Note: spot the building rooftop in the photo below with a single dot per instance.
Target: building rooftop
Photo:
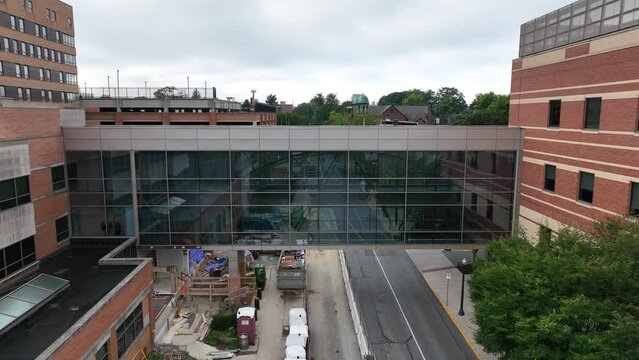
(89, 283)
(581, 20)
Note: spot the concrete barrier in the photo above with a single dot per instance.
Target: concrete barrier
(362, 341)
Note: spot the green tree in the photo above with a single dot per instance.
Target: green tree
(318, 100)
(167, 92)
(448, 102)
(246, 105)
(271, 99)
(575, 296)
(331, 99)
(487, 109)
(196, 94)
(399, 97)
(414, 99)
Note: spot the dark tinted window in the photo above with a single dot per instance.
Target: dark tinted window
(57, 177)
(62, 228)
(586, 186)
(593, 113)
(549, 178)
(555, 113)
(634, 199)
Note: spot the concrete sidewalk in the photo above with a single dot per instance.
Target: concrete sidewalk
(433, 265)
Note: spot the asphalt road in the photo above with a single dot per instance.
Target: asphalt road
(401, 316)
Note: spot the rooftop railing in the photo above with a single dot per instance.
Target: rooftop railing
(169, 92)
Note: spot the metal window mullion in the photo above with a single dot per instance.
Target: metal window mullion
(463, 207)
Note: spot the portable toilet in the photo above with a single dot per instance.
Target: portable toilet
(246, 323)
(295, 352)
(297, 316)
(260, 275)
(296, 340)
(301, 330)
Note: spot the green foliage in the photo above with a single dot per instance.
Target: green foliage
(271, 99)
(168, 92)
(331, 99)
(574, 296)
(356, 118)
(196, 94)
(222, 332)
(223, 320)
(487, 109)
(246, 105)
(318, 100)
(448, 102)
(408, 97)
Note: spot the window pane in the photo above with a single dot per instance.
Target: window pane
(84, 164)
(593, 113)
(586, 186)
(214, 164)
(7, 190)
(634, 199)
(549, 179)
(117, 164)
(554, 116)
(150, 164)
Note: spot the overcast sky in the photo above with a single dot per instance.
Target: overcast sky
(296, 48)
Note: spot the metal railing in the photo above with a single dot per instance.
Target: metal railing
(168, 92)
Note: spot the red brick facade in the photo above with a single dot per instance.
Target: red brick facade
(591, 69)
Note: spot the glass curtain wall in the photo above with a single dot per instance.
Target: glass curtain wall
(282, 198)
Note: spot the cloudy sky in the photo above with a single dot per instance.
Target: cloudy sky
(296, 48)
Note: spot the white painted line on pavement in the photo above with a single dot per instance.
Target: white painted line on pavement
(400, 306)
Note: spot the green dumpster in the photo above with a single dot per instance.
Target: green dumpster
(260, 275)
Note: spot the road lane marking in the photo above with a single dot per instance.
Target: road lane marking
(399, 305)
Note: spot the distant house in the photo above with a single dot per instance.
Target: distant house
(400, 115)
(283, 107)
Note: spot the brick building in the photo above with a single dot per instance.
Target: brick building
(575, 91)
(102, 310)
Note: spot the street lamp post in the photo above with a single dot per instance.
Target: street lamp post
(465, 268)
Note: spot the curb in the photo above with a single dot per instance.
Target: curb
(362, 341)
(452, 318)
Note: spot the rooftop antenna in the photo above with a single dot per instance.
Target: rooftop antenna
(253, 94)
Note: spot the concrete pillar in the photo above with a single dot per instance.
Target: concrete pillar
(237, 270)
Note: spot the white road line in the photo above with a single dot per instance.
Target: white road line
(400, 306)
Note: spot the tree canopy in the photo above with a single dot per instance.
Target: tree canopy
(571, 296)
(271, 99)
(408, 97)
(168, 92)
(448, 102)
(320, 110)
(487, 109)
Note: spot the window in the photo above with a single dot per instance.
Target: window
(39, 52)
(68, 40)
(586, 186)
(69, 22)
(14, 192)
(61, 77)
(57, 177)
(593, 113)
(103, 352)
(549, 178)
(53, 15)
(25, 72)
(43, 95)
(2, 92)
(37, 30)
(634, 199)
(41, 73)
(27, 94)
(43, 30)
(489, 210)
(13, 22)
(21, 24)
(17, 256)
(31, 50)
(129, 330)
(49, 96)
(15, 46)
(57, 36)
(30, 6)
(48, 72)
(23, 48)
(46, 53)
(59, 57)
(5, 44)
(23, 4)
(473, 202)
(18, 71)
(48, 14)
(62, 228)
(71, 78)
(555, 113)
(1, 68)
(20, 96)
